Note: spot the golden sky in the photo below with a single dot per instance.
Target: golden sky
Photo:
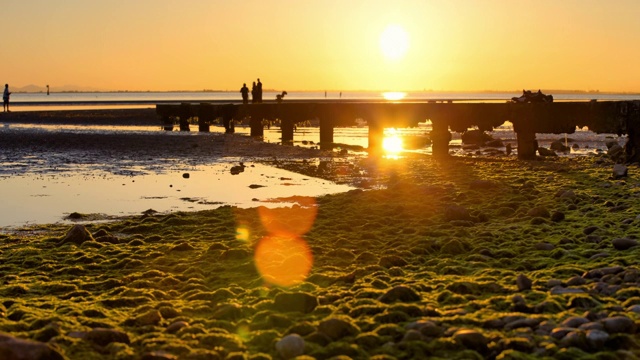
(457, 45)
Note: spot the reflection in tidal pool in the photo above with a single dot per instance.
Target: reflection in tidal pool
(50, 198)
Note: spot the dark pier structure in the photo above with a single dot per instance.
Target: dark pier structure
(613, 117)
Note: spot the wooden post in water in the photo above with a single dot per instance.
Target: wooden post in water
(440, 137)
(286, 126)
(376, 137)
(185, 114)
(205, 117)
(326, 134)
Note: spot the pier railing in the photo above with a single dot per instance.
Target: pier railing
(615, 117)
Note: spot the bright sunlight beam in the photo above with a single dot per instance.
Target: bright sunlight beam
(392, 143)
(394, 42)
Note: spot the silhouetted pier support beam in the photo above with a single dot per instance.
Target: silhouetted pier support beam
(167, 123)
(440, 137)
(205, 117)
(376, 137)
(287, 126)
(257, 129)
(527, 145)
(185, 115)
(326, 134)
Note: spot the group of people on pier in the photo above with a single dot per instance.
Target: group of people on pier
(256, 93)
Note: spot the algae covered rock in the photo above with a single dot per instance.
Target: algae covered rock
(399, 293)
(290, 346)
(295, 302)
(336, 329)
(76, 235)
(14, 348)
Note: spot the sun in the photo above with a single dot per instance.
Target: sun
(394, 42)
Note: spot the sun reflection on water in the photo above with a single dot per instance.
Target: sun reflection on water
(394, 95)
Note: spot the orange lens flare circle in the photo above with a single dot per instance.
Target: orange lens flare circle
(296, 220)
(283, 260)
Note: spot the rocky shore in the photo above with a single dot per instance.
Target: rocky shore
(463, 258)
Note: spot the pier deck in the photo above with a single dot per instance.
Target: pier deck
(615, 117)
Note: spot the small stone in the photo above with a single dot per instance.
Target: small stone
(76, 235)
(471, 339)
(539, 211)
(290, 346)
(523, 282)
(544, 246)
(619, 324)
(557, 216)
(103, 337)
(412, 335)
(336, 329)
(186, 175)
(399, 293)
(574, 322)
(576, 281)
(596, 338)
(295, 302)
(559, 290)
(624, 243)
(560, 332)
(619, 171)
(176, 326)
(19, 349)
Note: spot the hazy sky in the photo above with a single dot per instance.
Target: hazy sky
(322, 44)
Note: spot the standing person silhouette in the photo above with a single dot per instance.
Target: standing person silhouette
(244, 90)
(259, 90)
(254, 93)
(5, 98)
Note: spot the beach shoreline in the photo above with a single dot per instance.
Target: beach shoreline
(461, 257)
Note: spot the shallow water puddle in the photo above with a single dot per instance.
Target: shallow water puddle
(50, 198)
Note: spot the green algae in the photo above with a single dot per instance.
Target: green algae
(151, 271)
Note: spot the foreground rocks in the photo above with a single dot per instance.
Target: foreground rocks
(463, 259)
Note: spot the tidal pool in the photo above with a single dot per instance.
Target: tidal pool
(51, 198)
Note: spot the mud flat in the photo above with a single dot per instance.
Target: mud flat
(462, 258)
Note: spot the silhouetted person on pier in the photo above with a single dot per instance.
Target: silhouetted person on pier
(244, 90)
(254, 93)
(5, 98)
(259, 90)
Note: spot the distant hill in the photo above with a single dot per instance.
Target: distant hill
(64, 88)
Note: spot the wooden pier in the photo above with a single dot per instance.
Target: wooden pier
(614, 117)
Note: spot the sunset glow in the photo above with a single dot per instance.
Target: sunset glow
(394, 42)
(404, 45)
(392, 142)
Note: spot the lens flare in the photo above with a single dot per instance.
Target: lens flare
(296, 220)
(392, 143)
(283, 260)
(242, 234)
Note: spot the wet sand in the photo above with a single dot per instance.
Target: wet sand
(485, 257)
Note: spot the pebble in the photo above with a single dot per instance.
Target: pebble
(295, 302)
(619, 324)
(624, 243)
(523, 282)
(290, 346)
(14, 348)
(336, 328)
(399, 293)
(176, 326)
(104, 337)
(471, 339)
(574, 322)
(596, 338)
(559, 290)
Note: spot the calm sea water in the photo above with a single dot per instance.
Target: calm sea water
(22, 101)
(44, 198)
